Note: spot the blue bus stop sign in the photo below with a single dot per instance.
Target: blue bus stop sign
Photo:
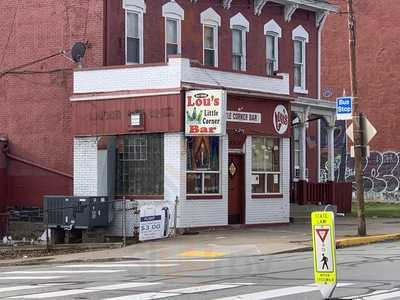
(344, 108)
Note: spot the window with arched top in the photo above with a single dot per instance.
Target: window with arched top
(211, 21)
(272, 32)
(239, 26)
(300, 38)
(174, 15)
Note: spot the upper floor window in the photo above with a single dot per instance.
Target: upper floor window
(300, 38)
(171, 37)
(211, 21)
(239, 26)
(174, 15)
(272, 33)
(134, 10)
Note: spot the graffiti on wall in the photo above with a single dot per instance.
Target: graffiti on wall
(381, 169)
(381, 172)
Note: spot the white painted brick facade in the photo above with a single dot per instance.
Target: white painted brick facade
(209, 212)
(178, 71)
(85, 166)
(191, 212)
(271, 210)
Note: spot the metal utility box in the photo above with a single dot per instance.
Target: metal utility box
(77, 212)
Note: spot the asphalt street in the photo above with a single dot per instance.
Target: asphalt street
(370, 272)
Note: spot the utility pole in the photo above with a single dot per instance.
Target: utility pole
(357, 128)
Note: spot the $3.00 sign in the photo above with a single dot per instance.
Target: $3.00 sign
(323, 234)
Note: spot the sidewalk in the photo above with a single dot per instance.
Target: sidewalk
(230, 242)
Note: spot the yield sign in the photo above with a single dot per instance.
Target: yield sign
(322, 233)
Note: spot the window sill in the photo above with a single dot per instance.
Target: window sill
(300, 90)
(266, 196)
(140, 197)
(204, 197)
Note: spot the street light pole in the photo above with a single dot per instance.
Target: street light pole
(357, 128)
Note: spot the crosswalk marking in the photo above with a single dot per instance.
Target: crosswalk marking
(381, 296)
(26, 287)
(357, 297)
(29, 277)
(118, 265)
(181, 291)
(62, 272)
(87, 290)
(269, 294)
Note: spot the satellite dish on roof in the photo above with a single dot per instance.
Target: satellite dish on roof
(78, 51)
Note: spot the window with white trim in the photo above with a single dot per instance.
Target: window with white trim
(174, 15)
(203, 165)
(299, 65)
(171, 37)
(209, 47)
(211, 21)
(134, 38)
(266, 172)
(272, 32)
(300, 39)
(271, 59)
(239, 26)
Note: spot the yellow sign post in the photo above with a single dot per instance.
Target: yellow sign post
(324, 250)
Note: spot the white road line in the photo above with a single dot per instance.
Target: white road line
(393, 295)
(358, 297)
(181, 291)
(118, 266)
(269, 294)
(29, 277)
(26, 287)
(63, 272)
(169, 260)
(87, 290)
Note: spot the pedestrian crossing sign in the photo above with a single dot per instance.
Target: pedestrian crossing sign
(323, 236)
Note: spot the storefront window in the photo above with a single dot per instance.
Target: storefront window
(203, 165)
(265, 166)
(140, 165)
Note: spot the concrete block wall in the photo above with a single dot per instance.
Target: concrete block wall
(269, 210)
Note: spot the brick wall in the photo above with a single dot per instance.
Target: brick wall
(378, 71)
(34, 108)
(192, 40)
(378, 66)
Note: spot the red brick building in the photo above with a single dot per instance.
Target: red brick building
(378, 71)
(257, 51)
(35, 112)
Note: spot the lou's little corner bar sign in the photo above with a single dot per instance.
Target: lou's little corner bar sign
(205, 112)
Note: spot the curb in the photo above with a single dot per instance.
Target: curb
(365, 240)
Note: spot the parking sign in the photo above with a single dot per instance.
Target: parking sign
(344, 108)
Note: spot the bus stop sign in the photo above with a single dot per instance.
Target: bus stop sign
(324, 251)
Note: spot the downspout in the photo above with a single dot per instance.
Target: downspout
(320, 27)
(30, 163)
(4, 202)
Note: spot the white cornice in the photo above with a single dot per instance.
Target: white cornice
(258, 6)
(290, 8)
(227, 3)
